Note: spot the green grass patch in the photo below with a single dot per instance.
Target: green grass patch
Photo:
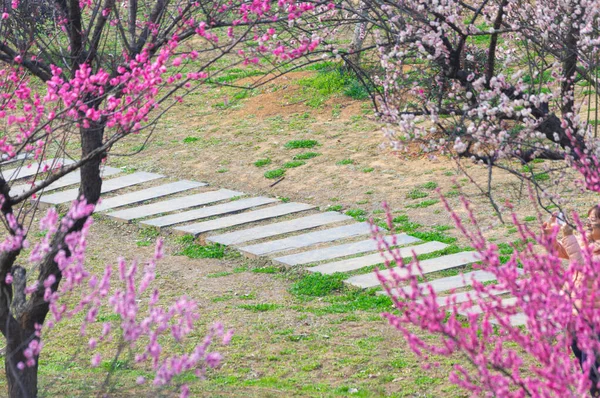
(189, 140)
(324, 65)
(331, 81)
(234, 74)
(295, 144)
(430, 185)
(147, 236)
(355, 300)
(368, 169)
(294, 163)
(530, 218)
(335, 208)
(442, 228)
(194, 250)
(541, 177)
(262, 162)
(266, 270)
(344, 162)
(403, 223)
(505, 249)
(425, 203)
(399, 363)
(433, 236)
(356, 213)
(274, 173)
(201, 141)
(306, 155)
(356, 90)
(219, 274)
(325, 82)
(318, 285)
(262, 307)
(115, 365)
(416, 194)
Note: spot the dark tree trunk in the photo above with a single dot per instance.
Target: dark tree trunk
(21, 383)
(91, 183)
(569, 69)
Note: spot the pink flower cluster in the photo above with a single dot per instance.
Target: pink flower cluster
(503, 359)
(143, 319)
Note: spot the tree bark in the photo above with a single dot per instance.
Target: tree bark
(91, 183)
(360, 30)
(21, 383)
(19, 332)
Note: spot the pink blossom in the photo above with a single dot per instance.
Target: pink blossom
(96, 360)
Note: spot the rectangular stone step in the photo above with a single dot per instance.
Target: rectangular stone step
(209, 211)
(427, 266)
(175, 204)
(348, 249)
(147, 194)
(284, 227)
(29, 170)
(308, 239)
(456, 281)
(244, 218)
(463, 297)
(515, 320)
(22, 156)
(476, 309)
(518, 319)
(107, 186)
(65, 181)
(352, 264)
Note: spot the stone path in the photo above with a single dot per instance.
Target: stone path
(291, 234)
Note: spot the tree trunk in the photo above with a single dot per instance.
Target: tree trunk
(360, 31)
(21, 383)
(91, 183)
(569, 69)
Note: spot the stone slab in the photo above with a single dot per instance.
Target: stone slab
(308, 239)
(65, 181)
(456, 281)
(147, 194)
(352, 264)
(166, 206)
(284, 227)
(462, 297)
(22, 156)
(107, 186)
(25, 171)
(244, 218)
(515, 320)
(476, 309)
(348, 249)
(210, 211)
(427, 267)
